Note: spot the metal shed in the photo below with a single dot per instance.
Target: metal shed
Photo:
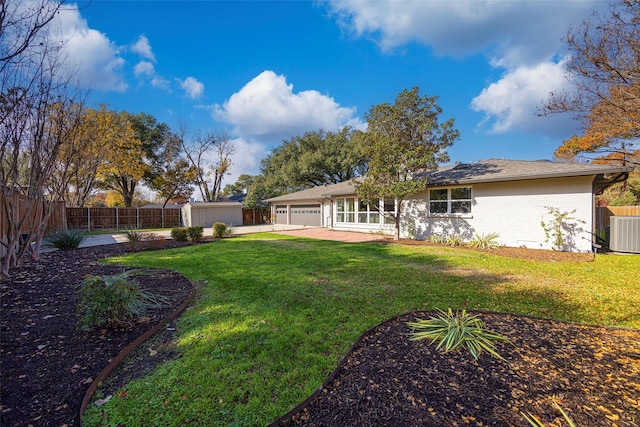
(205, 214)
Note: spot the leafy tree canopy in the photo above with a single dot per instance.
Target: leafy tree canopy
(402, 141)
(605, 71)
(315, 158)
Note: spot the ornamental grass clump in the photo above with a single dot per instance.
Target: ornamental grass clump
(484, 241)
(65, 240)
(114, 299)
(455, 330)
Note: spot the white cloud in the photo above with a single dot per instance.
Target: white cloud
(92, 57)
(524, 32)
(144, 68)
(246, 159)
(268, 110)
(511, 103)
(161, 82)
(143, 48)
(192, 87)
(521, 38)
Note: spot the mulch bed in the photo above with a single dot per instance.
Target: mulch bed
(48, 363)
(389, 380)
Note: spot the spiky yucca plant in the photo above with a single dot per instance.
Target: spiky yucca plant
(455, 330)
(488, 241)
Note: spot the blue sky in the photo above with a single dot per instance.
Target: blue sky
(265, 71)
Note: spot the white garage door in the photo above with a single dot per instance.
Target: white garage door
(310, 215)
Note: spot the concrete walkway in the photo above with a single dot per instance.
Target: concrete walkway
(293, 230)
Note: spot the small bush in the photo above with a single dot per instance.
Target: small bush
(66, 239)
(220, 230)
(456, 330)
(114, 300)
(488, 241)
(179, 234)
(195, 233)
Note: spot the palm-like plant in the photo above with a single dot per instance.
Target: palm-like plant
(455, 330)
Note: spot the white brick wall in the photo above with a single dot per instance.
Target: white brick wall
(514, 210)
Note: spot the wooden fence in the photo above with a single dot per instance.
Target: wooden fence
(255, 217)
(22, 204)
(120, 218)
(604, 214)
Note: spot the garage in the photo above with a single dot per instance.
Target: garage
(303, 214)
(309, 215)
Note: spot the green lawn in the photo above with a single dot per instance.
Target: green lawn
(277, 313)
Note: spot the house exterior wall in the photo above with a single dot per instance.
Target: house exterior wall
(512, 209)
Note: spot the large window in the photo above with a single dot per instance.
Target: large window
(367, 214)
(450, 201)
(345, 209)
(352, 210)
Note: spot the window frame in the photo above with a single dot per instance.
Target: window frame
(450, 202)
(374, 217)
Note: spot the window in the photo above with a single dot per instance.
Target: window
(367, 214)
(455, 201)
(345, 210)
(352, 210)
(389, 208)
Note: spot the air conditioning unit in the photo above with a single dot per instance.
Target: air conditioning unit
(625, 234)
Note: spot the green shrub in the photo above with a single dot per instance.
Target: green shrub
(179, 234)
(456, 330)
(114, 300)
(195, 233)
(483, 241)
(66, 239)
(220, 230)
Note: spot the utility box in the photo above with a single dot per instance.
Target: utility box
(625, 234)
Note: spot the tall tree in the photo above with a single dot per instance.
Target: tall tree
(210, 155)
(175, 181)
(605, 71)
(315, 158)
(402, 141)
(39, 114)
(124, 166)
(139, 156)
(241, 186)
(97, 134)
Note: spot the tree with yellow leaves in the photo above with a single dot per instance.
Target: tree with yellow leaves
(124, 164)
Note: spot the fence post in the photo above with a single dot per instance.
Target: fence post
(162, 217)
(88, 219)
(138, 217)
(117, 219)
